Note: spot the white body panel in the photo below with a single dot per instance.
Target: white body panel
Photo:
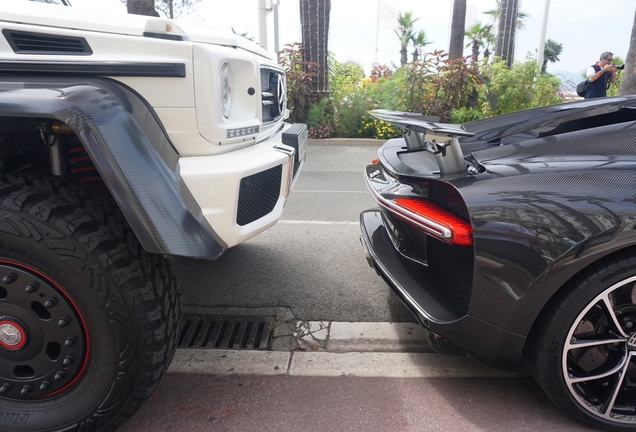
(215, 180)
(189, 108)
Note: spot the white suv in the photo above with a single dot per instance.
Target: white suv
(122, 139)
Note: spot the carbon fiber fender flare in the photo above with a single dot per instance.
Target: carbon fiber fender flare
(130, 149)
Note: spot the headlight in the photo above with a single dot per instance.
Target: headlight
(226, 102)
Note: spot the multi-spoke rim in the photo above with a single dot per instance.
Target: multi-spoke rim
(599, 355)
(43, 344)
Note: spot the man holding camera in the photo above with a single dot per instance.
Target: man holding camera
(600, 75)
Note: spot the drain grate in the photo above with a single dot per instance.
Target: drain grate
(223, 332)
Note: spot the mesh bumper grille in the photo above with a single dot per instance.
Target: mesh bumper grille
(258, 195)
(452, 267)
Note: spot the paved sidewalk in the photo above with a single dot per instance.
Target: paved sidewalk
(344, 377)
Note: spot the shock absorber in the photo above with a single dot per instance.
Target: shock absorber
(81, 165)
(83, 168)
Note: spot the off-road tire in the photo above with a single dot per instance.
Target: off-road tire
(77, 247)
(577, 334)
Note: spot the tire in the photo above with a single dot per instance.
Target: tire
(582, 351)
(88, 320)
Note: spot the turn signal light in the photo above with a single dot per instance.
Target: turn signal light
(434, 219)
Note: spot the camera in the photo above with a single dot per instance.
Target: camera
(620, 67)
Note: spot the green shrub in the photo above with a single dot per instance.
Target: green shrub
(300, 77)
(320, 119)
(519, 87)
(464, 115)
(455, 90)
(350, 113)
(344, 78)
(382, 129)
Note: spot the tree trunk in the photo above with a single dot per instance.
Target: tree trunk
(505, 47)
(456, 46)
(314, 20)
(142, 7)
(475, 51)
(628, 80)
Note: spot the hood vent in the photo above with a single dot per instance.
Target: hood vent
(46, 44)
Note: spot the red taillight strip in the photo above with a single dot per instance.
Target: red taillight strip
(461, 231)
(428, 225)
(435, 229)
(428, 216)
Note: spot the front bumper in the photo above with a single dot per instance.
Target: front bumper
(242, 193)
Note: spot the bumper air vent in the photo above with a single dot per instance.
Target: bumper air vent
(41, 43)
(273, 94)
(452, 267)
(258, 195)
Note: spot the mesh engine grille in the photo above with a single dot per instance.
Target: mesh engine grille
(422, 160)
(258, 195)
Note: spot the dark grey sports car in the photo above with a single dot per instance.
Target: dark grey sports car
(514, 239)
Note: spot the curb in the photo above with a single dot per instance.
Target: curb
(335, 349)
(343, 337)
(329, 364)
(346, 142)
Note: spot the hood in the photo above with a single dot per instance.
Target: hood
(49, 15)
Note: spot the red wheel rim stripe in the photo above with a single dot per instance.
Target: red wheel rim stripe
(77, 311)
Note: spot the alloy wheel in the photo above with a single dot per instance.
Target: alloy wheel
(599, 355)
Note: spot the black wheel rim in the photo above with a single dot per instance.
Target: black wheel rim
(43, 345)
(599, 355)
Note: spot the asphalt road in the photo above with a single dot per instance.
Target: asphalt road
(313, 263)
(312, 260)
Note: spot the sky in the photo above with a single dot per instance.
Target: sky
(585, 28)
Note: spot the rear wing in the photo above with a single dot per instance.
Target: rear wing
(424, 133)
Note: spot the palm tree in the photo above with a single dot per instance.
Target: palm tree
(175, 8)
(496, 13)
(419, 42)
(628, 80)
(141, 7)
(314, 22)
(551, 52)
(405, 33)
(172, 8)
(246, 35)
(508, 23)
(458, 23)
(478, 35)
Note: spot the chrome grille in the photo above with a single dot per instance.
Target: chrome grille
(273, 94)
